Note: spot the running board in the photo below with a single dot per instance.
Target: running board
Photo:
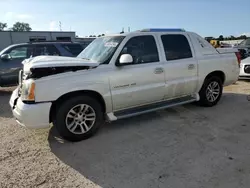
(151, 108)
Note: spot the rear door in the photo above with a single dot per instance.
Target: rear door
(10, 68)
(180, 65)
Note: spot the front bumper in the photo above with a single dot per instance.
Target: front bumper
(244, 73)
(35, 116)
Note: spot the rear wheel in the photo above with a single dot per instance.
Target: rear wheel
(211, 91)
(79, 118)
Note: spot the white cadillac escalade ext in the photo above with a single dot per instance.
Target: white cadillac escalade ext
(120, 76)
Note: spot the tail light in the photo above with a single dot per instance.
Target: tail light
(238, 57)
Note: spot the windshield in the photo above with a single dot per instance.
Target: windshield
(101, 49)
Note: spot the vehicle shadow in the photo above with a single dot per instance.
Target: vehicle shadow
(170, 148)
(5, 110)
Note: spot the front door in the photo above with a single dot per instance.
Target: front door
(9, 69)
(141, 82)
(180, 66)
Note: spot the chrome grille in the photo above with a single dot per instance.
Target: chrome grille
(20, 78)
(20, 81)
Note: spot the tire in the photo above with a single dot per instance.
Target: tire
(71, 127)
(206, 99)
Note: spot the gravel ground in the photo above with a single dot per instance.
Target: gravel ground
(186, 146)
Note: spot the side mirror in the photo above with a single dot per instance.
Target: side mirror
(5, 57)
(126, 59)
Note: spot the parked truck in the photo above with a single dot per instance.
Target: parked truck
(120, 76)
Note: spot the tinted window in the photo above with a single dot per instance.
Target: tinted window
(19, 52)
(46, 50)
(63, 38)
(176, 47)
(74, 49)
(142, 48)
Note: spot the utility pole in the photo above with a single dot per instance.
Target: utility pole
(122, 30)
(128, 29)
(60, 25)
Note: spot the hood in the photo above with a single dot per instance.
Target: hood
(56, 61)
(42, 66)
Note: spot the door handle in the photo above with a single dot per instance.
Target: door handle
(158, 70)
(190, 66)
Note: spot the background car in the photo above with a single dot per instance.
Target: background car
(11, 57)
(245, 69)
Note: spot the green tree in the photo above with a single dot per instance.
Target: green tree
(221, 38)
(232, 37)
(243, 37)
(21, 26)
(3, 26)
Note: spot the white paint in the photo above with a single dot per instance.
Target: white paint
(132, 85)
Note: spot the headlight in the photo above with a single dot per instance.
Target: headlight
(28, 90)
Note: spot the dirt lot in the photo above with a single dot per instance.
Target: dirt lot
(186, 146)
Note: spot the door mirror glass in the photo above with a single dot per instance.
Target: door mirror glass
(126, 59)
(5, 57)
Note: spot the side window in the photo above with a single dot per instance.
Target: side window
(46, 50)
(176, 47)
(142, 48)
(19, 52)
(74, 49)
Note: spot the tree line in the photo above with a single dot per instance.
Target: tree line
(18, 26)
(97, 35)
(21, 26)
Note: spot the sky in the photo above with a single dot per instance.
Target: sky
(93, 17)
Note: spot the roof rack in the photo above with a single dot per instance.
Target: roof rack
(163, 30)
(69, 41)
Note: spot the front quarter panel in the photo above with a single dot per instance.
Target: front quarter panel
(52, 87)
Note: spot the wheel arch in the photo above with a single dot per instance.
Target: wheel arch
(94, 94)
(217, 73)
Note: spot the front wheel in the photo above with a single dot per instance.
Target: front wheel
(211, 91)
(79, 118)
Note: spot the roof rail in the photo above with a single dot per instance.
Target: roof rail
(163, 30)
(30, 42)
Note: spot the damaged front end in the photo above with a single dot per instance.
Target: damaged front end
(39, 72)
(42, 66)
(36, 73)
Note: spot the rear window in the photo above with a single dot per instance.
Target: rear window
(176, 47)
(75, 49)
